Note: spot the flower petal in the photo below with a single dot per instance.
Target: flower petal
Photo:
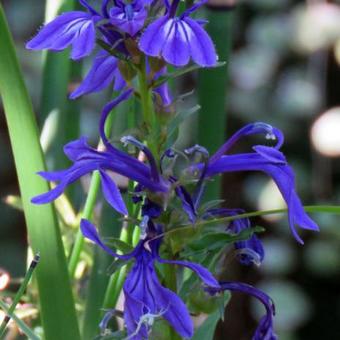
(282, 175)
(84, 42)
(75, 28)
(202, 49)
(202, 272)
(176, 50)
(89, 231)
(101, 74)
(79, 149)
(112, 193)
(250, 129)
(265, 329)
(154, 37)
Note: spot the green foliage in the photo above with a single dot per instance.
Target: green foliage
(180, 72)
(217, 240)
(56, 301)
(207, 329)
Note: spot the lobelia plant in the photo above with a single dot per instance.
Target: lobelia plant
(172, 228)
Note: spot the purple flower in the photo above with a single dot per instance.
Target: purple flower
(268, 160)
(145, 297)
(264, 329)
(177, 39)
(128, 17)
(86, 159)
(248, 251)
(103, 72)
(72, 28)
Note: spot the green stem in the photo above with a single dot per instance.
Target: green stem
(310, 208)
(146, 99)
(148, 110)
(130, 235)
(87, 214)
(21, 324)
(330, 209)
(88, 209)
(19, 294)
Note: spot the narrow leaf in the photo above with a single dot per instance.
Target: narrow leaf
(55, 295)
(180, 72)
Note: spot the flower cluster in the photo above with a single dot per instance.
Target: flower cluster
(143, 37)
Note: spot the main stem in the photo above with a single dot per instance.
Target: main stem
(148, 110)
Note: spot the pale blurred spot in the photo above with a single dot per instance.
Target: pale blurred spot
(297, 94)
(293, 306)
(49, 130)
(317, 26)
(281, 258)
(2, 316)
(325, 133)
(270, 198)
(322, 257)
(251, 73)
(337, 51)
(4, 279)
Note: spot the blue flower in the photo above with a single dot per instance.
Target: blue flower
(86, 160)
(145, 297)
(177, 39)
(103, 72)
(264, 159)
(128, 17)
(264, 329)
(72, 28)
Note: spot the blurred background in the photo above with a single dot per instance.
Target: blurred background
(283, 69)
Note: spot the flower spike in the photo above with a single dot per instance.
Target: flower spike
(144, 295)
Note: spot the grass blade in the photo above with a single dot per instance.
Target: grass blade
(212, 86)
(56, 301)
(19, 294)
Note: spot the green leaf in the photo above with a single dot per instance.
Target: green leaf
(213, 241)
(113, 51)
(119, 244)
(181, 236)
(213, 92)
(180, 118)
(209, 205)
(180, 72)
(55, 295)
(207, 330)
(201, 302)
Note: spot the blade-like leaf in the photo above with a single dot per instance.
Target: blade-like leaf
(214, 241)
(56, 301)
(119, 244)
(180, 117)
(212, 92)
